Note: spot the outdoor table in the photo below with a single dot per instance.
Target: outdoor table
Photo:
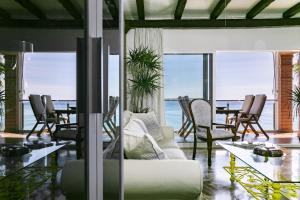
(235, 112)
(68, 112)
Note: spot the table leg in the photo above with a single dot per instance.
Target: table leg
(232, 167)
(276, 191)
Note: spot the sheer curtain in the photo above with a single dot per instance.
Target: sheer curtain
(153, 38)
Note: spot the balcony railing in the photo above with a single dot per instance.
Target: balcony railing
(174, 116)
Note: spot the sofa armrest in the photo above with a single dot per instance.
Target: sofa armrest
(162, 179)
(143, 179)
(168, 132)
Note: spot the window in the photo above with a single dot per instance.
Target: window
(242, 73)
(49, 73)
(183, 76)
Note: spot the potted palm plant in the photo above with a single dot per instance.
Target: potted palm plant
(145, 71)
(296, 102)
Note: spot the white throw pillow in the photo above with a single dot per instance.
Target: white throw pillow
(138, 143)
(151, 122)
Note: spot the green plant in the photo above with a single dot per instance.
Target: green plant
(145, 70)
(296, 99)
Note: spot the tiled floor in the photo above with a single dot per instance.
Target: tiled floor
(216, 181)
(289, 140)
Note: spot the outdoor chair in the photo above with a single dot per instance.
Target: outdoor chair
(187, 124)
(69, 132)
(50, 110)
(253, 116)
(109, 124)
(203, 126)
(244, 110)
(39, 112)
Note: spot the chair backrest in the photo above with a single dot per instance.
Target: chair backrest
(47, 102)
(37, 107)
(184, 103)
(201, 112)
(258, 105)
(113, 104)
(247, 104)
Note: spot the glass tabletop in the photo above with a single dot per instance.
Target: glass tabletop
(9, 165)
(285, 169)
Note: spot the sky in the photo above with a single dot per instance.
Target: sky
(237, 74)
(242, 73)
(50, 73)
(183, 75)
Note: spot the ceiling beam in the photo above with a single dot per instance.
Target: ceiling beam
(52, 24)
(218, 9)
(113, 9)
(207, 23)
(260, 6)
(4, 14)
(192, 23)
(72, 9)
(140, 9)
(32, 8)
(291, 11)
(179, 9)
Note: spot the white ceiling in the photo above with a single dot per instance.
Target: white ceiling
(201, 9)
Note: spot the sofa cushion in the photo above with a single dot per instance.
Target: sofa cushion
(139, 144)
(174, 153)
(151, 123)
(167, 143)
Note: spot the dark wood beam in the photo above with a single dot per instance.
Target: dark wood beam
(193, 23)
(43, 24)
(32, 8)
(52, 24)
(218, 9)
(4, 14)
(219, 23)
(113, 9)
(179, 9)
(291, 11)
(260, 6)
(72, 9)
(140, 9)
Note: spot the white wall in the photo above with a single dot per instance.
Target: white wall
(212, 40)
(42, 39)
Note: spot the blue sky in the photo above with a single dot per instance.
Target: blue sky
(237, 74)
(50, 73)
(242, 73)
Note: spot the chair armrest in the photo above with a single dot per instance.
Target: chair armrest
(70, 125)
(224, 125)
(168, 132)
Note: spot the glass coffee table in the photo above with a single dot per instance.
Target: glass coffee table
(265, 177)
(21, 175)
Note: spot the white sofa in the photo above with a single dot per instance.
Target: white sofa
(174, 179)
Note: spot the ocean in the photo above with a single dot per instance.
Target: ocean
(173, 113)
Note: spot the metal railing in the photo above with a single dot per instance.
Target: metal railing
(174, 115)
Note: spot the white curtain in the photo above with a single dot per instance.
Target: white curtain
(153, 38)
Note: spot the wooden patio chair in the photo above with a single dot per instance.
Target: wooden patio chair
(39, 112)
(50, 110)
(69, 132)
(186, 127)
(108, 123)
(252, 118)
(246, 106)
(203, 126)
